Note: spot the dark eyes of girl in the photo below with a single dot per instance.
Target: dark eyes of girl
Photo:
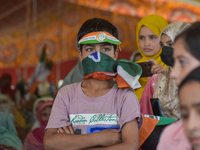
(153, 37)
(184, 116)
(182, 62)
(44, 114)
(161, 44)
(170, 44)
(141, 37)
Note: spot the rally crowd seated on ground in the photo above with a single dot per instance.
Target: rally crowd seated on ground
(173, 49)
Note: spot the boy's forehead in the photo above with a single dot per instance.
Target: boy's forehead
(98, 44)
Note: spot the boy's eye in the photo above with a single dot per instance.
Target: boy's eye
(105, 49)
(89, 49)
(141, 37)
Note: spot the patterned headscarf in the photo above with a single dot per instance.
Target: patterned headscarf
(174, 29)
(166, 89)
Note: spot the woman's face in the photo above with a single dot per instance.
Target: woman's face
(37, 108)
(165, 40)
(184, 62)
(46, 113)
(190, 112)
(148, 41)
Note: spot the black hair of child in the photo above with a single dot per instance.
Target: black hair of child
(191, 37)
(94, 25)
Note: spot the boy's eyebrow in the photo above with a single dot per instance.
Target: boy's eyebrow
(92, 45)
(106, 44)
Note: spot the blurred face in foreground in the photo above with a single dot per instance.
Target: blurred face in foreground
(189, 97)
(184, 63)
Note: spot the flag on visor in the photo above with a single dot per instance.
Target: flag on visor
(99, 37)
(103, 67)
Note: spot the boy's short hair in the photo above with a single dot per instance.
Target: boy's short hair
(94, 25)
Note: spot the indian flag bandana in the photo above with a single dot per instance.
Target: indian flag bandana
(99, 37)
(149, 123)
(103, 67)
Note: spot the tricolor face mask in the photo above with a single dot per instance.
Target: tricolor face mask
(103, 67)
(167, 55)
(99, 66)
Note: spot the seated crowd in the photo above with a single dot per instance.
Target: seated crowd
(121, 108)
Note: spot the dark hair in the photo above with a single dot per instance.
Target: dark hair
(97, 24)
(192, 76)
(191, 37)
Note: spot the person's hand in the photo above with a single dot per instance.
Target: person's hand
(156, 68)
(109, 137)
(66, 129)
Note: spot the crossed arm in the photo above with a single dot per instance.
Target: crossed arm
(109, 139)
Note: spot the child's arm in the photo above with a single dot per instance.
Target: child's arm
(54, 140)
(130, 138)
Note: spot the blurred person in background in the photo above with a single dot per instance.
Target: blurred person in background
(5, 88)
(8, 134)
(36, 105)
(74, 76)
(7, 105)
(187, 58)
(34, 139)
(136, 56)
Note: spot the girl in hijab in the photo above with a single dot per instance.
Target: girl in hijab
(34, 139)
(8, 133)
(161, 86)
(147, 33)
(36, 105)
(135, 56)
(186, 58)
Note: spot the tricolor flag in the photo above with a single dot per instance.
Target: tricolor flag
(42, 71)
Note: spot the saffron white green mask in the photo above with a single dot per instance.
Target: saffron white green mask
(103, 67)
